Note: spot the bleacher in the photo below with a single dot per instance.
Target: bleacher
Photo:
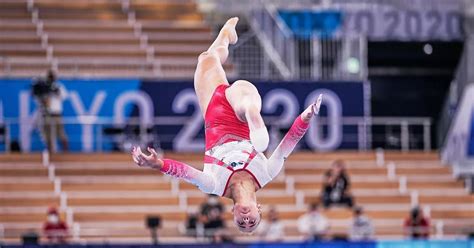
(101, 38)
(105, 198)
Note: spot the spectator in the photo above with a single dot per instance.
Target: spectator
(361, 228)
(272, 229)
(313, 225)
(416, 225)
(55, 230)
(50, 95)
(192, 225)
(336, 186)
(212, 218)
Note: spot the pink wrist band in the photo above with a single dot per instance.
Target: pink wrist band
(174, 168)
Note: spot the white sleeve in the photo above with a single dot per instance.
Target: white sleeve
(286, 146)
(189, 174)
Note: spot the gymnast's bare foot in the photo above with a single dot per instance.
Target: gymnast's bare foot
(229, 30)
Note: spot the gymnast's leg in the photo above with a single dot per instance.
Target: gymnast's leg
(209, 71)
(244, 98)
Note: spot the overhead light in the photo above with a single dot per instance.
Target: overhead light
(353, 65)
(428, 49)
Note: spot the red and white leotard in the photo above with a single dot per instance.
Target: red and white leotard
(229, 150)
(220, 122)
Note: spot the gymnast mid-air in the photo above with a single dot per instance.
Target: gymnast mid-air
(236, 136)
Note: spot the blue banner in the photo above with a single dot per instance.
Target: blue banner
(282, 102)
(327, 244)
(470, 146)
(171, 111)
(305, 23)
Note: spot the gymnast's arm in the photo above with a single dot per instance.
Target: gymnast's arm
(286, 146)
(174, 168)
(294, 135)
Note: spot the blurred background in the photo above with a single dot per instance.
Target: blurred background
(388, 163)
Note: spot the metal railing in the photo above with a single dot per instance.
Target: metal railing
(464, 76)
(251, 61)
(362, 133)
(275, 38)
(318, 57)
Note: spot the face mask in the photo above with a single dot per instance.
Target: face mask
(213, 200)
(52, 218)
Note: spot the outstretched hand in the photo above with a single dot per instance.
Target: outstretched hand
(312, 110)
(317, 104)
(152, 161)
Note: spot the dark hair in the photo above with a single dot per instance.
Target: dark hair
(415, 212)
(358, 210)
(314, 206)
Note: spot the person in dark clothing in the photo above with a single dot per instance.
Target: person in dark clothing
(212, 213)
(212, 218)
(336, 186)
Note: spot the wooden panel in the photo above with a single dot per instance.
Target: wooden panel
(354, 185)
(429, 185)
(423, 171)
(25, 217)
(102, 54)
(106, 172)
(181, 215)
(26, 187)
(29, 202)
(115, 186)
(41, 171)
(320, 171)
(468, 213)
(369, 199)
(85, 41)
(122, 201)
(446, 199)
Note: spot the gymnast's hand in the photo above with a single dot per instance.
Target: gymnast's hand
(152, 161)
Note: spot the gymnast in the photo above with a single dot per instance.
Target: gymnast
(236, 136)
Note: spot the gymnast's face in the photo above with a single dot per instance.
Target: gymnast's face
(247, 216)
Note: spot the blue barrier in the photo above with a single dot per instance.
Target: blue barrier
(305, 23)
(470, 146)
(176, 104)
(369, 244)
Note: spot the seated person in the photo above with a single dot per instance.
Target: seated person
(313, 225)
(361, 228)
(336, 186)
(272, 229)
(416, 225)
(212, 217)
(55, 230)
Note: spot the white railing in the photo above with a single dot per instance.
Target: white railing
(455, 150)
(363, 133)
(275, 38)
(342, 57)
(251, 61)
